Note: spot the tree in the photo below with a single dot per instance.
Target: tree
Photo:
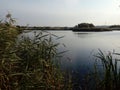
(85, 25)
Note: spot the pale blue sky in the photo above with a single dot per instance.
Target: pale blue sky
(62, 12)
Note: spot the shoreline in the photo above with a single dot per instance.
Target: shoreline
(77, 30)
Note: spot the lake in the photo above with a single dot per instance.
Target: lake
(82, 48)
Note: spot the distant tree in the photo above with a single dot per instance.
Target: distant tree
(91, 25)
(85, 25)
(114, 26)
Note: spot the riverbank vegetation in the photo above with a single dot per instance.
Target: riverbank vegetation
(89, 27)
(82, 27)
(34, 64)
(106, 74)
(28, 64)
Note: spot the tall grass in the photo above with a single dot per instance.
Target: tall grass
(37, 62)
(28, 64)
(106, 75)
(8, 34)
(112, 72)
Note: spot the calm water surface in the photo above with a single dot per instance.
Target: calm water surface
(83, 46)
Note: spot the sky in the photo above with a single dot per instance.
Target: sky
(62, 12)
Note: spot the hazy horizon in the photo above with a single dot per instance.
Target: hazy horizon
(62, 12)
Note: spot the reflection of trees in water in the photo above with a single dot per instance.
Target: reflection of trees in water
(82, 34)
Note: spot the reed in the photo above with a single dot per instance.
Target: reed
(108, 78)
(28, 64)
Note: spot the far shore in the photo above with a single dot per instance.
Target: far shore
(95, 29)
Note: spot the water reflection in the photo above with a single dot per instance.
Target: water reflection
(82, 34)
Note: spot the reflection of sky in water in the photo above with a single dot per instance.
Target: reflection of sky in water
(83, 45)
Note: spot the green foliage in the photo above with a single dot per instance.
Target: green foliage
(8, 34)
(28, 64)
(37, 62)
(111, 72)
(85, 25)
(108, 78)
